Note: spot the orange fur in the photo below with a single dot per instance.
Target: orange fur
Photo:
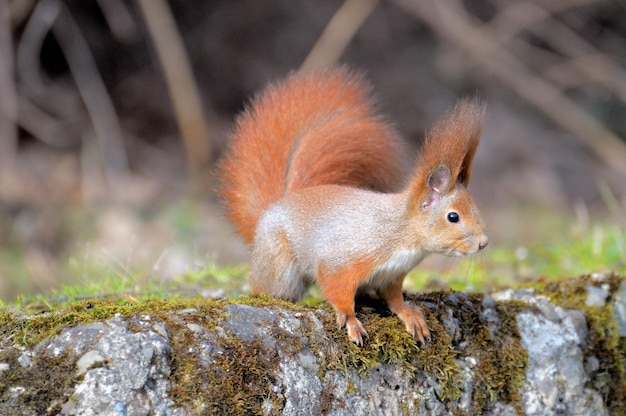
(312, 129)
(339, 289)
(297, 177)
(413, 318)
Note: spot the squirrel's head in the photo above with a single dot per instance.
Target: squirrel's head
(449, 218)
(449, 221)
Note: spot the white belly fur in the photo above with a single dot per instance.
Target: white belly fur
(398, 264)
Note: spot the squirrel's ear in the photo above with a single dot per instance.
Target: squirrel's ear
(437, 183)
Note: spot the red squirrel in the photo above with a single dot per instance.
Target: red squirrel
(315, 180)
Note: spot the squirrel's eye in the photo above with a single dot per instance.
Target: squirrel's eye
(453, 217)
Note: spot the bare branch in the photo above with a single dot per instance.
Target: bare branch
(181, 86)
(449, 19)
(93, 92)
(338, 33)
(118, 18)
(49, 112)
(585, 58)
(8, 98)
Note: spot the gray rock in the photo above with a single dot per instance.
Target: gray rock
(284, 361)
(25, 360)
(576, 321)
(548, 309)
(596, 296)
(247, 322)
(89, 360)
(120, 371)
(555, 377)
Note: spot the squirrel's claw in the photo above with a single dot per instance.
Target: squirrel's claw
(356, 330)
(415, 323)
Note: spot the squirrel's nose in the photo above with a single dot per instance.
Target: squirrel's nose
(482, 242)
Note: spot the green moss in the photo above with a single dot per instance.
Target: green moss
(239, 379)
(35, 328)
(500, 372)
(497, 349)
(264, 301)
(39, 387)
(501, 359)
(8, 328)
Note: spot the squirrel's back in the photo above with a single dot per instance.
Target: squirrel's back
(310, 129)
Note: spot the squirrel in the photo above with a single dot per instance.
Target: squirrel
(316, 181)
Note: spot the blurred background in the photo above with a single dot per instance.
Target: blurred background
(113, 114)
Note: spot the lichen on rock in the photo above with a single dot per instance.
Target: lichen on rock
(544, 350)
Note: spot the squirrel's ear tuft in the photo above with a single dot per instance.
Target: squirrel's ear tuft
(470, 113)
(448, 150)
(453, 140)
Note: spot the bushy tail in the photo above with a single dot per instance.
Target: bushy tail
(310, 129)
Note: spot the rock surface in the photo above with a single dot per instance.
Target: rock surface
(514, 352)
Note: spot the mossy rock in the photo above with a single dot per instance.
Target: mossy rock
(254, 355)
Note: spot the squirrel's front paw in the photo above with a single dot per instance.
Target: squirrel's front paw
(356, 330)
(415, 322)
